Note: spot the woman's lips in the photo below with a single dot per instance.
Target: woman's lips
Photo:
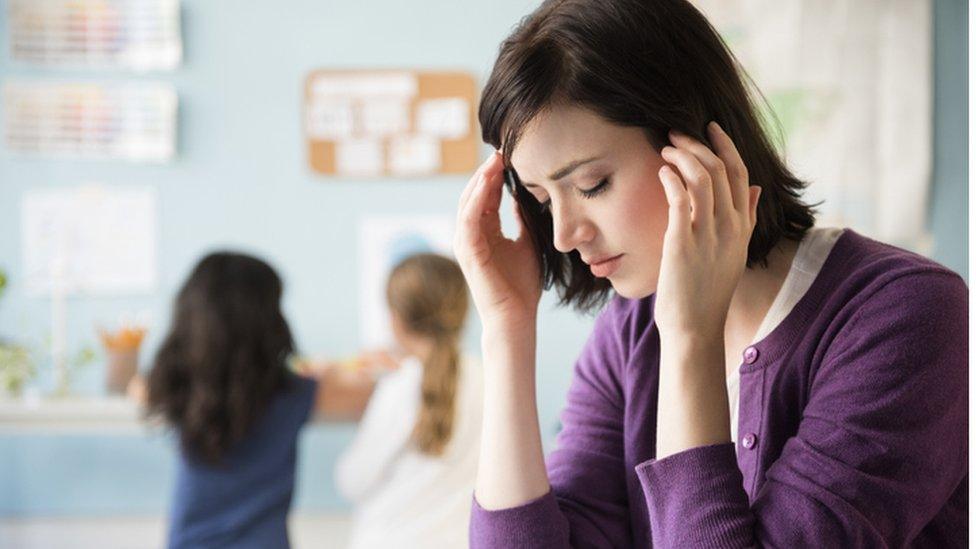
(607, 267)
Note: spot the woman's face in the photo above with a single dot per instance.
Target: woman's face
(600, 182)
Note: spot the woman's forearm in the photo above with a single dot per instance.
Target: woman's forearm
(511, 468)
(693, 403)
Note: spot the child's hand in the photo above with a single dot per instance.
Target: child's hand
(710, 222)
(309, 367)
(503, 274)
(137, 391)
(379, 360)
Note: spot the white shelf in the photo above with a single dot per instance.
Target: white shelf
(71, 414)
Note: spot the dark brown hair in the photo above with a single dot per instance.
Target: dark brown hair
(225, 355)
(652, 64)
(428, 294)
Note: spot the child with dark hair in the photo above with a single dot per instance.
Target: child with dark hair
(221, 380)
(754, 380)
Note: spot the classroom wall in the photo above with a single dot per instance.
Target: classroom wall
(241, 180)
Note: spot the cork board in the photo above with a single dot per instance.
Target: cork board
(400, 123)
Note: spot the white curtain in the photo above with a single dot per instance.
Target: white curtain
(851, 84)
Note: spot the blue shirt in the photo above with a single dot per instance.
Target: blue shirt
(244, 501)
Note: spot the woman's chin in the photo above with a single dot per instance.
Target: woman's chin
(633, 289)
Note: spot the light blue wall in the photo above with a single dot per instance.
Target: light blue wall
(241, 180)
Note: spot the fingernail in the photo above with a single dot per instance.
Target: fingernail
(714, 126)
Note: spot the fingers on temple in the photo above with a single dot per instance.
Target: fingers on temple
(679, 202)
(485, 194)
(735, 168)
(477, 181)
(698, 182)
(714, 165)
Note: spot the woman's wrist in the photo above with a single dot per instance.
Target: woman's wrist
(507, 331)
(692, 374)
(508, 321)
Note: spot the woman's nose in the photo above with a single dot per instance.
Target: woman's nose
(569, 228)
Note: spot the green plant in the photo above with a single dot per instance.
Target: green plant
(16, 368)
(73, 365)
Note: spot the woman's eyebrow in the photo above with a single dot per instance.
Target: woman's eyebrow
(564, 171)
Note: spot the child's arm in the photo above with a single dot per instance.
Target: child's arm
(346, 387)
(342, 395)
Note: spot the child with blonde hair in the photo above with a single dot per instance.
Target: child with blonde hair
(410, 469)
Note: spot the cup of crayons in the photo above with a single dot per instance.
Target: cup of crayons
(122, 355)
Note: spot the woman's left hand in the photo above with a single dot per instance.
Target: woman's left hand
(711, 216)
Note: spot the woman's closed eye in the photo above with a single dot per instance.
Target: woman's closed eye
(595, 190)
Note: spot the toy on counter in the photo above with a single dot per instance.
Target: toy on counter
(122, 356)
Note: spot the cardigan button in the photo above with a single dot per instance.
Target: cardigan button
(750, 355)
(749, 441)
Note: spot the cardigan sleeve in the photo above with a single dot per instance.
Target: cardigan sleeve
(881, 446)
(587, 503)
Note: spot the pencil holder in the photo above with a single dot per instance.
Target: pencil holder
(121, 357)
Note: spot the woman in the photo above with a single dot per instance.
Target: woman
(410, 470)
(639, 166)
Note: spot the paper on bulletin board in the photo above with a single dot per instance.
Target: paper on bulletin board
(446, 118)
(414, 155)
(384, 242)
(330, 119)
(360, 157)
(89, 239)
(423, 120)
(385, 116)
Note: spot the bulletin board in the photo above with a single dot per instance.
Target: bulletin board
(382, 123)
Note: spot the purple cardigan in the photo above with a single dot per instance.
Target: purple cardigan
(853, 427)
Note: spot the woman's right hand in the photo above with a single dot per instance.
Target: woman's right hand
(503, 274)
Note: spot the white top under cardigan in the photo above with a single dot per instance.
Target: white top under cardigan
(810, 257)
(401, 497)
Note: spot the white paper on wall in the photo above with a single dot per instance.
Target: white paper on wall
(360, 157)
(385, 116)
(135, 122)
(330, 119)
(851, 84)
(414, 154)
(383, 242)
(89, 239)
(446, 118)
(122, 34)
(391, 84)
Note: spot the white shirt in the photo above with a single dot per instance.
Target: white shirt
(810, 257)
(404, 498)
